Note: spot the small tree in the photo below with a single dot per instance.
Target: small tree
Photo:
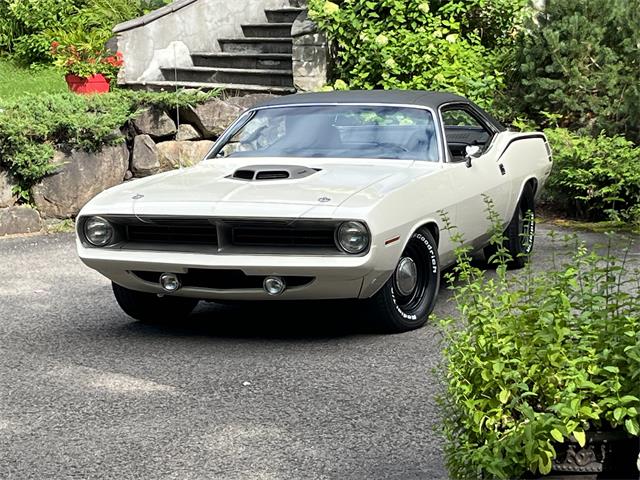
(582, 62)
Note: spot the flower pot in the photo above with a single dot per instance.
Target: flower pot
(610, 454)
(95, 84)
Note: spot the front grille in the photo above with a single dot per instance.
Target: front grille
(225, 236)
(178, 233)
(222, 279)
(255, 236)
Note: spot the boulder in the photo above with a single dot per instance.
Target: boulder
(80, 177)
(212, 117)
(186, 132)
(144, 161)
(175, 154)
(249, 101)
(21, 219)
(155, 122)
(7, 198)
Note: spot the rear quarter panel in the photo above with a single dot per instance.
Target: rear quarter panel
(525, 156)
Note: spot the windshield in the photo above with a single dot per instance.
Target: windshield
(335, 131)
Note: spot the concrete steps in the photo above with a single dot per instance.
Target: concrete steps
(249, 76)
(256, 45)
(233, 89)
(261, 61)
(283, 15)
(269, 61)
(267, 30)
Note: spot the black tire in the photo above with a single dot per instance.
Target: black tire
(520, 233)
(149, 308)
(397, 312)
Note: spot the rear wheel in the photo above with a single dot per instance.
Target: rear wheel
(407, 299)
(520, 232)
(149, 308)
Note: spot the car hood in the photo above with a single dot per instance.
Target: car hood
(209, 189)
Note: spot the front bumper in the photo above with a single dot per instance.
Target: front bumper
(334, 277)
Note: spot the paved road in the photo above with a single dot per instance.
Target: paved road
(85, 392)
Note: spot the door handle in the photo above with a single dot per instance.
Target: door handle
(502, 169)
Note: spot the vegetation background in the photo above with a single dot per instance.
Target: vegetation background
(572, 70)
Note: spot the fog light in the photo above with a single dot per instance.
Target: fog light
(170, 282)
(274, 285)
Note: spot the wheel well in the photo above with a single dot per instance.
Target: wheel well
(433, 230)
(534, 184)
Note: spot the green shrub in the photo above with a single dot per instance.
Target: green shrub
(27, 28)
(24, 27)
(538, 360)
(594, 178)
(416, 44)
(32, 127)
(582, 63)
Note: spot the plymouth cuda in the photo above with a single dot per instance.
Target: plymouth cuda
(336, 195)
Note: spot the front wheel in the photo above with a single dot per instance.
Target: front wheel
(149, 308)
(407, 299)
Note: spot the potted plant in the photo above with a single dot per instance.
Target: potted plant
(88, 66)
(542, 369)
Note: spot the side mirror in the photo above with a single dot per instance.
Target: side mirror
(471, 152)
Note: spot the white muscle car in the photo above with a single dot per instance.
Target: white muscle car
(319, 196)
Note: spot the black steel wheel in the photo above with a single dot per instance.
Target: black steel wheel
(149, 308)
(407, 299)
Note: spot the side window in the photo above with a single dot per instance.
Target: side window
(462, 129)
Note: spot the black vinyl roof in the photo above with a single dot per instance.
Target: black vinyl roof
(404, 97)
(398, 97)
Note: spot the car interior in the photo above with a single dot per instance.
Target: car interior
(463, 129)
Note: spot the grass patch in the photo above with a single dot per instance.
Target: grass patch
(15, 81)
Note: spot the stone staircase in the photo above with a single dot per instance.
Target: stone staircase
(259, 62)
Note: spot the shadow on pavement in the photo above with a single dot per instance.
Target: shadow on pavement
(278, 320)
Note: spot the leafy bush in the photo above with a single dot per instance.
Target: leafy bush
(417, 44)
(27, 28)
(539, 359)
(594, 178)
(24, 27)
(32, 127)
(82, 54)
(582, 62)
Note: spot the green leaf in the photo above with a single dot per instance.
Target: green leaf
(571, 426)
(504, 396)
(544, 464)
(629, 399)
(557, 435)
(580, 437)
(618, 413)
(612, 369)
(632, 426)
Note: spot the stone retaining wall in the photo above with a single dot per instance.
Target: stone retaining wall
(155, 142)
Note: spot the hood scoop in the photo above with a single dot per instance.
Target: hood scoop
(272, 172)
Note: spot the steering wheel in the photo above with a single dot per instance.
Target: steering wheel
(398, 148)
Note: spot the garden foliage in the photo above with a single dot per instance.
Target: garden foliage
(594, 178)
(32, 127)
(27, 28)
(583, 63)
(538, 360)
(419, 44)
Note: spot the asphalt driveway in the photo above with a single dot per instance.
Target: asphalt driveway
(234, 393)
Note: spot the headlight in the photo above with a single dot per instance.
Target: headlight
(353, 237)
(98, 231)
